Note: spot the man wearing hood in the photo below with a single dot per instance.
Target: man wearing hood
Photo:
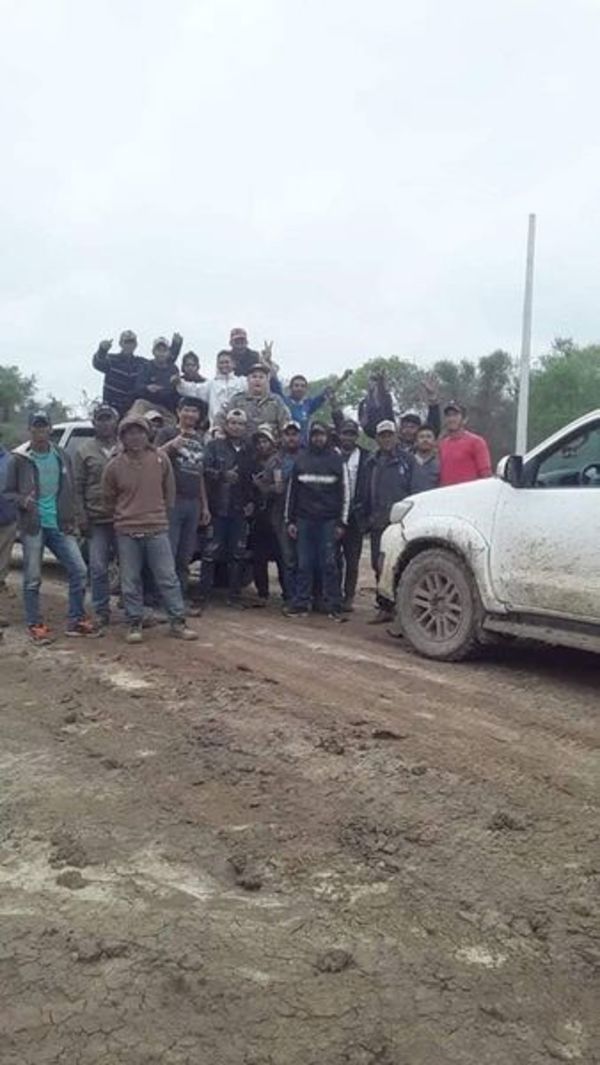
(139, 488)
(317, 515)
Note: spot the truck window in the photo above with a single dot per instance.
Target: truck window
(572, 463)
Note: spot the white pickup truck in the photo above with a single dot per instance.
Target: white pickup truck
(516, 554)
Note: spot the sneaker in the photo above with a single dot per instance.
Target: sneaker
(181, 631)
(40, 635)
(102, 623)
(135, 633)
(348, 606)
(336, 615)
(193, 610)
(83, 627)
(235, 602)
(382, 617)
(295, 612)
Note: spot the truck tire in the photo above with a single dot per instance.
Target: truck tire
(438, 607)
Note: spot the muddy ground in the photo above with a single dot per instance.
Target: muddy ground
(295, 843)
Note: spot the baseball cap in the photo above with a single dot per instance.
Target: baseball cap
(237, 413)
(39, 417)
(349, 426)
(259, 367)
(411, 416)
(160, 342)
(453, 405)
(104, 410)
(319, 427)
(386, 426)
(292, 425)
(265, 430)
(127, 334)
(151, 415)
(238, 333)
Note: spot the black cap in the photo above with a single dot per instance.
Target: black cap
(349, 426)
(39, 417)
(453, 405)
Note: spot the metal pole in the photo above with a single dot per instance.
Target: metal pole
(523, 406)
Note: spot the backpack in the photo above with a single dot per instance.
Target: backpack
(8, 507)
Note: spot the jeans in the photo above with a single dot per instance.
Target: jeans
(102, 546)
(66, 550)
(7, 539)
(349, 552)
(183, 528)
(228, 541)
(317, 552)
(155, 550)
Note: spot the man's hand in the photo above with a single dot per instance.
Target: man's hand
(231, 476)
(175, 380)
(267, 351)
(176, 443)
(27, 502)
(176, 339)
(431, 387)
(105, 346)
(205, 517)
(153, 388)
(340, 532)
(340, 381)
(249, 510)
(83, 525)
(292, 531)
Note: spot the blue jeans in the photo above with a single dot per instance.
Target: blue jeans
(228, 543)
(183, 529)
(102, 546)
(155, 550)
(66, 550)
(317, 554)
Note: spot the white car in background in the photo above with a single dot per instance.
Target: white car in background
(515, 554)
(68, 435)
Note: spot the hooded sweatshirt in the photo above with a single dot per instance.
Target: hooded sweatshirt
(318, 487)
(139, 488)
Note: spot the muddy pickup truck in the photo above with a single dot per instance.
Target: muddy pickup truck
(512, 555)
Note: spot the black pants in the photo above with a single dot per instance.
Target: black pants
(349, 552)
(265, 548)
(376, 535)
(227, 543)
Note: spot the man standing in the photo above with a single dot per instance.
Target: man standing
(120, 371)
(93, 516)
(300, 405)
(8, 523)
(267, 479)
(216, 393)
(388, 479)
(41, 479)
(242, 356)
(350, 546)
(185, 447)
(228, 468)
(426, 468)
(260, 405)
(139, 486)
(317, 516)
(290, 449)
(154, 383)
(464, 456)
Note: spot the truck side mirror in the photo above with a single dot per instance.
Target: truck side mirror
(513, 470)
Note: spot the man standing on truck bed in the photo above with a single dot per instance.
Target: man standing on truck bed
(464, 456)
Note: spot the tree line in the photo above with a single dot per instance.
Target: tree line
(565, 383)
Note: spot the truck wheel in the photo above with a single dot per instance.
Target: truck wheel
(438, 606)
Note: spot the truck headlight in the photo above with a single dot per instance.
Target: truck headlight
(400, 510)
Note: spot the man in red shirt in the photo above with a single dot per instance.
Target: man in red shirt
(464, 456)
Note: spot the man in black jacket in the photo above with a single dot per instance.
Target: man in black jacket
(120, 371)
(154, 387)
(228, 469)
(317, 516)
(244, 358)
(388, 480)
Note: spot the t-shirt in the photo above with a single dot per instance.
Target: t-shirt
(463, 457)
(187, 462)
(48, 468)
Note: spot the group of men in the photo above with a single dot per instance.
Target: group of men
(231, 469)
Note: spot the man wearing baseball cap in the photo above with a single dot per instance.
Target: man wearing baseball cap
(464, 456)
(155, 382)
(267, 479)
(243, 356)
(120, 371)
(94, 518)
(355, 458)
(42, 481)
(388, 478)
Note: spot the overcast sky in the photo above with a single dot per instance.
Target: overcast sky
(351, 179)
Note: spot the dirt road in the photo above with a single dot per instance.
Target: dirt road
(295, 843)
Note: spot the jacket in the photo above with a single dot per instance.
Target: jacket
(300, 410)
(244, 360)
(378, 407)
(23, 483)
(139, 490)
(215, 393)
(153, 373)
(8, 500)
(425, 475)
(318, 487)
(88, 467)
(357, 498)
(120, 375)
(261, 410)
(227, 500)
(388, 479)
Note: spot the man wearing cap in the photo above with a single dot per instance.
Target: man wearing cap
(291, 445)
(464, 456)
(139, 488)
(317, 515)
(228, 468)
(219, 391)
(388, 479)
(260, 405)
(120, 371)
(93, 517)
(242, 356)
(185, 447)
(350, 546)
(42, 482)
(154, 385)
(267, 479)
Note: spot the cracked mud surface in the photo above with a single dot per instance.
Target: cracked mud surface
(297, 844)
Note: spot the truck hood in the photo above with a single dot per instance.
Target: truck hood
(474, 502)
